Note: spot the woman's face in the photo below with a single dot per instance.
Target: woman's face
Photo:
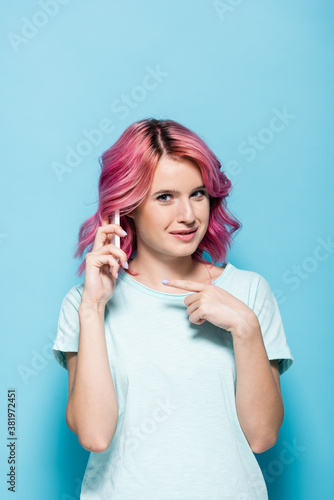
(187, 207)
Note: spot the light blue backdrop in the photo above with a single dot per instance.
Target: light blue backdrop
(255, 80)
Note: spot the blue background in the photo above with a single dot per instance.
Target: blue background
(225, 73)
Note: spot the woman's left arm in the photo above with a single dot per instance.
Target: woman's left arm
(259, 400)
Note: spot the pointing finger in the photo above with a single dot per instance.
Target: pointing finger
(192, 286)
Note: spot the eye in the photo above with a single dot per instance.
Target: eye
(159, 197)
(168, 194)
(200, 191)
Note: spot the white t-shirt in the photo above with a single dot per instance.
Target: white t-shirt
(178, 435)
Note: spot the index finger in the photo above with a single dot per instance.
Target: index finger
(192, 286)
(101, 238)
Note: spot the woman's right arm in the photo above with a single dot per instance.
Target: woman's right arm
(92, 408)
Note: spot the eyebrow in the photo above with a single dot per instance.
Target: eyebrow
(174, 191)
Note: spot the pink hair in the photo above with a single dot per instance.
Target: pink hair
(127, 170)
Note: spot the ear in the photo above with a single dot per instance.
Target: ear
(131, 214)
(105, 220)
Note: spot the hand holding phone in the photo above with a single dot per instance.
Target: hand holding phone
(103, 263)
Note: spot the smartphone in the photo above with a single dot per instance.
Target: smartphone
(117, 237)
(117, 242)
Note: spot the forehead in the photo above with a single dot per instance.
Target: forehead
(171, 173)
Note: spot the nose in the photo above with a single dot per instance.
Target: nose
(185, 212)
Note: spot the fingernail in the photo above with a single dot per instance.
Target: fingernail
(116, 275)
(212, 282)
(165, 282)
(126, 265)
(124, 232)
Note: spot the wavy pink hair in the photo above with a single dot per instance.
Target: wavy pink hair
(127, 170)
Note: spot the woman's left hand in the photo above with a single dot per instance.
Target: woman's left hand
(219, 307)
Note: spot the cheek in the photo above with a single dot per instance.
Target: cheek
(203, 212)
(157, 215)
(152, 221)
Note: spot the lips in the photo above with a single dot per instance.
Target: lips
(185, 231)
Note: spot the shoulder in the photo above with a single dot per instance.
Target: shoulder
(248, 284)
(73, 295)
(78, 289)
(244, 276)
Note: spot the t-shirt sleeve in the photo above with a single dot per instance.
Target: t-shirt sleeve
(274, 338)
(67, 339)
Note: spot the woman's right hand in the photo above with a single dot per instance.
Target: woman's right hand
(99, 283)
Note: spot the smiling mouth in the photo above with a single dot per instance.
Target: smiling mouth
(191, 231)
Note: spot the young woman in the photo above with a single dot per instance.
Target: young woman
(173, 362)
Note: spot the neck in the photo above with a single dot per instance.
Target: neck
(154, 269)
